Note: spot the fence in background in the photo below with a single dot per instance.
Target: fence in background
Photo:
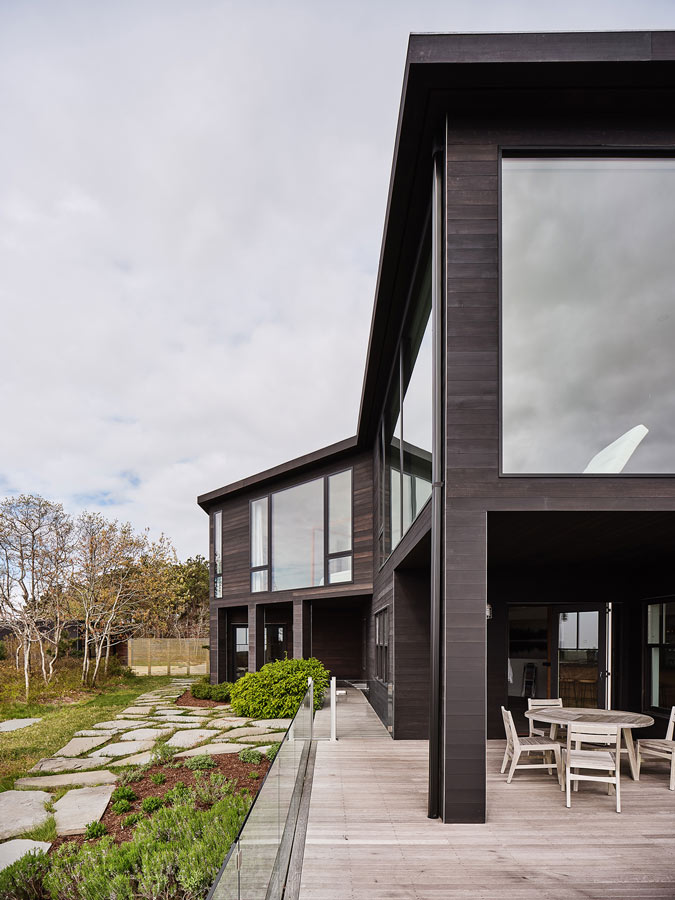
(168, 656)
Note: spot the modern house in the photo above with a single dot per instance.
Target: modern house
(503, 523)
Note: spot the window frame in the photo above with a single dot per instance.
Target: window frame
(649, 646)
(382, 661)
(217, 564)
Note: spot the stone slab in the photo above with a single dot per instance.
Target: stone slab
(92, 732)
(121, 724)
(17, 724)
(183, 723)
(248, 732)
(228, 721)
(146, 734)
(213, 749)
(190, 738)
(272, 724)
(76, 809)
(65, 764)
(74, 779)
(79, 745)
(134, 711)
(138, 759)
(10, 851)
(123, 748)
(22, 810)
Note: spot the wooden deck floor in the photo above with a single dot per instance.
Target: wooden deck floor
(368, 835)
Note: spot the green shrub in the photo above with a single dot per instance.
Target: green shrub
(276, 690)
(216, 787)
(133, 773)
(162, 753)
(199, 763)
(221, 692)
(123, 793)
(254, 775)
(94, 830)
(175, 855)
(201, 691)
(121, 807)
(179, 793)
(151, 804)
(250, 756)
(158, 778)
(272, 750)
(23, 879)
(132, 820)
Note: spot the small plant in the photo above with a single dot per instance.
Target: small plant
(221, 692)
(213, 789)
(200, 762)
(132, 820)
(121, 807)
(128, 776)
(158, 778)
(94, 830)
(254, 775)
(123, 793)
(272, 750)
(162, 754)
(152, 804)
(22, 880)
(250, 756)
(201, 691)
(178, 793)
(44, 832)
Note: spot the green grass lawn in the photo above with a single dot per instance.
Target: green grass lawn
(19, 750)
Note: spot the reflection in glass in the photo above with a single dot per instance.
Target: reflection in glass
(661, 632)
(653, 623)
(259, 532)
(259, 581)
(588, 320)
(339, 569)
(567, 636)
(240, 640)
(340, 512)
(297, 536)
(274, 642)
(218, 554)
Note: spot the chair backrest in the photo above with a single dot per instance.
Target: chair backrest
(592, 733)
(510, 729)
(671, 725)
(540, 702)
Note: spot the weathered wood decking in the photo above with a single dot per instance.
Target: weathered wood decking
(368, 835)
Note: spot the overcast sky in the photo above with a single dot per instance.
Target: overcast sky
(191, 204)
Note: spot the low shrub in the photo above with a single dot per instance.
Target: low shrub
(94, 830)
(123, 793)
(22, 880)
(133, 773)
(151, 804)
(221, 692)
(121, 807)
(250, 756)
(276, 690)
(132, 820)
(158, 778)
(254, 775)
(175, 855)
(200, 762)
(201, 691)
(272, 750)
(179, 793)
(212, 789)
(162, 753)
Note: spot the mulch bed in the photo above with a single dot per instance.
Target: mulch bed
(228, 764)
(187, 699)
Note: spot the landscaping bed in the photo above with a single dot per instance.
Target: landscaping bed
(187, 699)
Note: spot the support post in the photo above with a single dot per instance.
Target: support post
(310, 683)
(333, 709)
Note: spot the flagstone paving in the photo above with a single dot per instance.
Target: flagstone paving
(10, 851)
(191, 738)
(76, 809)
(82, 745)
(64, 764)
(213, 749)
(138, 759)
(17, 724)
(22, 810)
(121, 724)
(73, 779)
(123, 748)
(146, 734)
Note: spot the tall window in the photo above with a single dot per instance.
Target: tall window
(302, 536)
(218, 554)
(588, 324)
(661, 654)
(382, 645)
(406, 437)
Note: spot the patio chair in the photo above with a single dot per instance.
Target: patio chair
(596, 760)
(516, 746)
(661, 747)
(536, 703)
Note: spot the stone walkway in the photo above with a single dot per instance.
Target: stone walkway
(84, 764)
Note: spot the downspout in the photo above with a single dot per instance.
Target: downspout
(437, 256)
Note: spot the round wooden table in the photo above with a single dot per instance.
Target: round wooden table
(561, 715)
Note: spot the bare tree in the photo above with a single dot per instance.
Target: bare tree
(35, 546)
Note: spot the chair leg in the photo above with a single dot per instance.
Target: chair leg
(559, 768)
(506, 756)
(672, 772)
(618, 794)
(514, 763)
(568, 796)
(576, 783)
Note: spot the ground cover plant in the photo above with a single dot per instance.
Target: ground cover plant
(219, 693)
(276, 690)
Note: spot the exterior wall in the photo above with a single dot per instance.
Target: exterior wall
(473, 484)
(236, 559)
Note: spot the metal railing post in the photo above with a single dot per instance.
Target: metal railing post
(310, 683)
(333, 709)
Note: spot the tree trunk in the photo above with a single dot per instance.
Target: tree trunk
(107, 655)
(99, 653)
(43, 661)
(26, 666)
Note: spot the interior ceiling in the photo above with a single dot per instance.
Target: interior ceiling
(580, 538)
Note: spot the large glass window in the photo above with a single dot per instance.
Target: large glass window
(218, 554)
(661, 654)
(588, 319)
(309, 542)
(382, 644)
(407, 423)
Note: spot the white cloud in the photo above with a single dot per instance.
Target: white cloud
(191, 205)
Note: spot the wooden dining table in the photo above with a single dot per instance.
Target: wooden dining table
(626, 721)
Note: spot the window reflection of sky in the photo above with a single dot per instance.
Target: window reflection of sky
(588, 311)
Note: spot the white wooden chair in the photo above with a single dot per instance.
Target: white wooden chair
(661, 747)
(537, 703)
(595, 760)
(516, 746)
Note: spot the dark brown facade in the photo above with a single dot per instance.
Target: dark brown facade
(467, 101)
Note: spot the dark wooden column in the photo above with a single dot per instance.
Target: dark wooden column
(256, 636)
(301, 628)
(219, 670)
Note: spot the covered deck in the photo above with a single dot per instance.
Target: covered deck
(369, 837)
